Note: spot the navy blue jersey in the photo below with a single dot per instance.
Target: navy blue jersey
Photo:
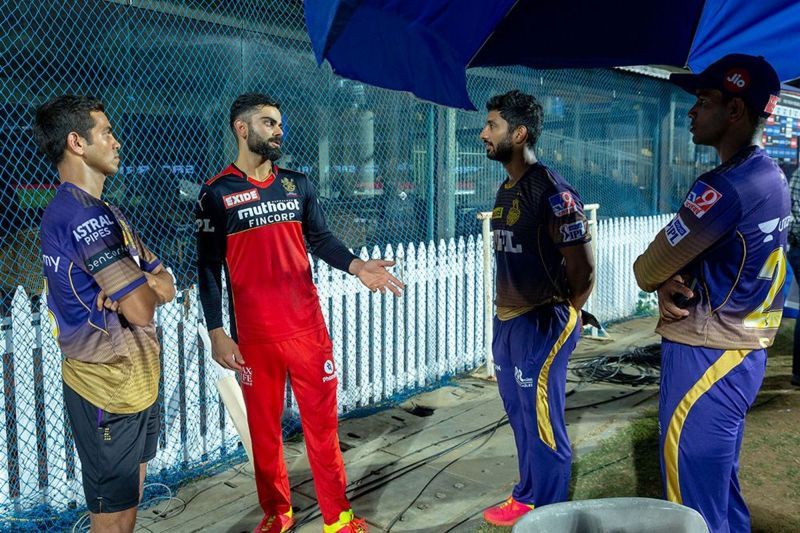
(531, 220)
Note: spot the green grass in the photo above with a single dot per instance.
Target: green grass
(626, 464)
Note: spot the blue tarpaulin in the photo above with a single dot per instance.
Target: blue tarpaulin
(425, 46)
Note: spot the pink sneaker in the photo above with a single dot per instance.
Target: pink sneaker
(276, 523)
(507, 513)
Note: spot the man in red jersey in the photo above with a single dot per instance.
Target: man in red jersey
(254, 219)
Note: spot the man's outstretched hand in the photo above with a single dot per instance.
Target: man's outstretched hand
(375, 277)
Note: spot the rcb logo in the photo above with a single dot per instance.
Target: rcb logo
(288, 184)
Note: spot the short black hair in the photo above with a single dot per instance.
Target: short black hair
(58, 117)
(519, 109)
(248, 102)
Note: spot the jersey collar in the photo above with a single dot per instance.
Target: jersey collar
(236, 171)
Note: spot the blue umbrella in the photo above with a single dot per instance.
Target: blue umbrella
(425, 46)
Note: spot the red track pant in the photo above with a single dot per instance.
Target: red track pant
(309, 362)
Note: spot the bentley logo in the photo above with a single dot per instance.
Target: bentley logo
(288, 184)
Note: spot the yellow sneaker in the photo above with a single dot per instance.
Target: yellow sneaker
(347, 523)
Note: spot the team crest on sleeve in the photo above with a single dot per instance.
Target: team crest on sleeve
(563, 203)
(573, 231)
(701, 199)
(676, 230)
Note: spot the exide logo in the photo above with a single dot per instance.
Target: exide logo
(736, 80)
(239, 198)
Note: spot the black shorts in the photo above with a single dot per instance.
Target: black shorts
(111, 448)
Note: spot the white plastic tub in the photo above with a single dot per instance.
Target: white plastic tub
(617, 515)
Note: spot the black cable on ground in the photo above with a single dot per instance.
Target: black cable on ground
(358, 490)
(445, 467)
(612, 369)
(640, 366)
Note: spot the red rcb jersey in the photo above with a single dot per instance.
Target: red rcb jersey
(257, 232)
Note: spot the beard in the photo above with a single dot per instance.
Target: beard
(260, 145)
(502, 151)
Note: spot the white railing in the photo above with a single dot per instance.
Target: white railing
(383, 347)
(619, 243)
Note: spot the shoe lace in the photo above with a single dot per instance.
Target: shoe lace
(508, 502)
(268, 523)
(358, 526)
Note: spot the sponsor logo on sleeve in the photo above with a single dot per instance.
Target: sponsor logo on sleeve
(239, 198)
(107, 257)
(573, 231)
(563, 204)
(497, 213)
(93, 229)
(701, 199)
(676, 230)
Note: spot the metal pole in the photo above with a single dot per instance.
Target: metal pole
(591, 212)
(488, 305)
(431, 164)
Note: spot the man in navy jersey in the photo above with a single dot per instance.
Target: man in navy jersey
(719, 268)
(545, 273)
(253, 220)
(102, 285)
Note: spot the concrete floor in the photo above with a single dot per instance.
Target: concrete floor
(420, 473)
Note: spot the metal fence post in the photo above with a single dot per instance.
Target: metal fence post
(488, 306)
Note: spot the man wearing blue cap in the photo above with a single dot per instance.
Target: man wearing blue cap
(719, 267)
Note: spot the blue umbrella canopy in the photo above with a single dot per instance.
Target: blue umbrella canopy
(425, 46)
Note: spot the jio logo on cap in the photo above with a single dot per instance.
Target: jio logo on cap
(736, 80)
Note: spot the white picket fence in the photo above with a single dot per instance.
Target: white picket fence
(383, 347)
(619, 242)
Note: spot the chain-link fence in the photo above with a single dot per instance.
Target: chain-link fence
(389, 169)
